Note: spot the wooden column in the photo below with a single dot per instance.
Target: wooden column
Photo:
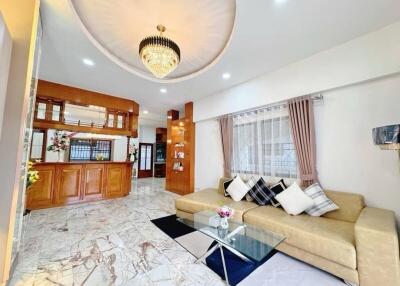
(172, 115)
(180, 151)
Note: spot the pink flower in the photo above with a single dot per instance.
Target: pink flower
(225, 212)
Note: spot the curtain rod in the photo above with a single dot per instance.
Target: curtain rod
(315, 97)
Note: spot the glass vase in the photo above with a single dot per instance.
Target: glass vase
(224, 224)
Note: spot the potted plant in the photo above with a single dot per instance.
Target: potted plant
(59, 142)
(133, 150)
(32, 177)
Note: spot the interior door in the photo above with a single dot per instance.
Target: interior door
(145, 160)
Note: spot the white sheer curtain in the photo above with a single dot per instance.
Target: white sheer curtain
(262, 143)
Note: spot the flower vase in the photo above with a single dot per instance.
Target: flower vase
(59, 157)
(224, 224)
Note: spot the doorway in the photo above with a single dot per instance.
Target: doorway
(145, 160)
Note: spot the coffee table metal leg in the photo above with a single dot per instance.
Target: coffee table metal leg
(223, 264)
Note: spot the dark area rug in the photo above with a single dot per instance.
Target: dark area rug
(237, 268)
(170, 226)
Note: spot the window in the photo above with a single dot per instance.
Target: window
(110, 122)
(90, 150)
(120, 121)
(38, 144)
(56, 111)
(41, 110)
(262, 143)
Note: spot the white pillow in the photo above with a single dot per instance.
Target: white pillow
(237, 189)
(322, 204)
(293, 200)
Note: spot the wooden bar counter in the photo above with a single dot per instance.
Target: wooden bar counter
(76, 182)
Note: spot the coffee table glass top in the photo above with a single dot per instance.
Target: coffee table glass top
(251, 241)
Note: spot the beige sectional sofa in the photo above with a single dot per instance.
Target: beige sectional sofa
(357, 243)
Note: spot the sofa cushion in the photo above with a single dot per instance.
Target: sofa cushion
(211, 199)
(350, 206)
(328, 238)
(221, 188)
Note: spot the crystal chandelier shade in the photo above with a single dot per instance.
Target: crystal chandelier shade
(159, 54)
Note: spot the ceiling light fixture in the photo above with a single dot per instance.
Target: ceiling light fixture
(226, 75)
(159, 54)
(88, 62)
(163, 90)
(145, 112)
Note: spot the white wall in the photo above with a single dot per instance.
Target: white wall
(347, 159)
(209, 158)
(370, 56)
(147, 134)
(119, 149)
(5, 59)
(360, 81)
(20, 22)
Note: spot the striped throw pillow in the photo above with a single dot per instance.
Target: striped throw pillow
(322, 204)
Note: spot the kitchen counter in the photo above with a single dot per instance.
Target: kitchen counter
(65, 183)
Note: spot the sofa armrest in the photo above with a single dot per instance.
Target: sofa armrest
(377, 246)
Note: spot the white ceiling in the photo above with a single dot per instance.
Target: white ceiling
(268, 34)
(202, 30)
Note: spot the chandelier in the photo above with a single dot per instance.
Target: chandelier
(159, 54)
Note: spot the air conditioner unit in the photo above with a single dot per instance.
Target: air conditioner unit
(387, 137)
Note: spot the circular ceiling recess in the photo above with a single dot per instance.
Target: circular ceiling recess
(201, 29)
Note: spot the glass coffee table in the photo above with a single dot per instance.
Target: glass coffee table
(248, 242)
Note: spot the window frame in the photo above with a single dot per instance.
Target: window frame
(91, 150)
(43, 155)
(277, 167)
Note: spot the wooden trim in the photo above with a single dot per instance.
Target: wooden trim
(85, 97)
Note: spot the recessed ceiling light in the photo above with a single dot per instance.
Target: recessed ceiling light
(163, 90)
(88, 62)
(226, 75)
(280, 1)
(145, 111)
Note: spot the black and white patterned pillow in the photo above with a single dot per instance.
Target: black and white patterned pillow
(226, 185)
(261, 194)
(250, 183)
(276, 189)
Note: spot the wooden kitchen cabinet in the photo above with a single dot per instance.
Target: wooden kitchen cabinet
(69, 183)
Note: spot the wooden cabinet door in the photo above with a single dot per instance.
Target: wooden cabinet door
(40, 194)
(116, 177)
(94, 182)
(69, 184)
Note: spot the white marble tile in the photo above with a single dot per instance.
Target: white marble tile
(108, 242)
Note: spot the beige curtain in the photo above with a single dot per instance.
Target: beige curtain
(226, 128)
(301, 114)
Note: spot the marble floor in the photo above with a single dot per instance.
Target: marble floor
(108, 243)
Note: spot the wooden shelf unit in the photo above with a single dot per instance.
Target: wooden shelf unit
(161, 142)
(180, 138)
